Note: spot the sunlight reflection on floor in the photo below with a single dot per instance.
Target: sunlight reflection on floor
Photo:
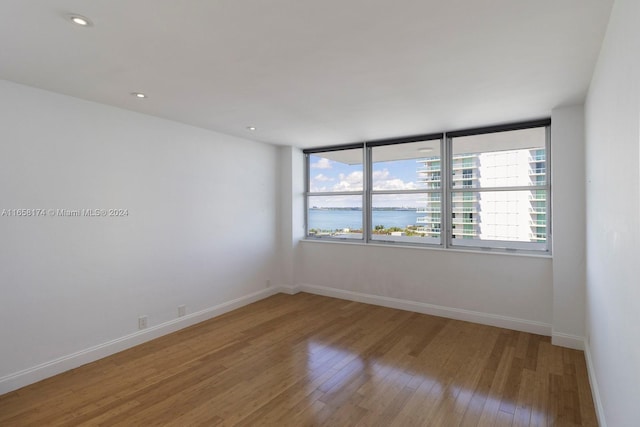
(350, 378)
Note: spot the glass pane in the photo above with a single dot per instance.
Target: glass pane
(409, 218)
(332, 171)
(410, 166)
(501, 159)
(510, 216)
(335, 216)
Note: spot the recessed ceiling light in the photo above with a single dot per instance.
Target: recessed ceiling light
(425, 150)
(83, 21)
(139, 94)
(251, 127)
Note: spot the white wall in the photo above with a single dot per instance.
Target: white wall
(568, 213)
(201, 229)
(291, 212)
(505, 290)
(613, 220)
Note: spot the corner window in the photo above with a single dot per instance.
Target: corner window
(483, 188)
(335, 194)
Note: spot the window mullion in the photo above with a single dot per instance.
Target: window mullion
(494, 189)
(307, 169)
(335, 193)
(548, 161)
(419, 191)
(366, 203)
(445, 187)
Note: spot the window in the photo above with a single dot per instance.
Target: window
(482, 188)
(335, 194)
(503, 198)
(406, 191)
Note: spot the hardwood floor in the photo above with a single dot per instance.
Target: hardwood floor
(307, 360)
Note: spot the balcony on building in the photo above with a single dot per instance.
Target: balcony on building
(542, 197)
(472, 221)
(538, 171)
(465, 209)
(456, 232)
(537, 157)
(429, 209)
(428, 220)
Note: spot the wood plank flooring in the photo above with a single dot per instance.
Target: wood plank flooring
(307, 360)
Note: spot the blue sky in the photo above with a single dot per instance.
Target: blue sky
(328, 175)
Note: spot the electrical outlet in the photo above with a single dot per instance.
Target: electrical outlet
(268, 283)
(182, 310)
(142, 322)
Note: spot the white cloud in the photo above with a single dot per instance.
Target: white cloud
(383, 181)
(398, 201)
(351, 182)
(323, 163)
(336, 201)
(317, 183)
(322, 178)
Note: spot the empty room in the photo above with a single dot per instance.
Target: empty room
(329, 213)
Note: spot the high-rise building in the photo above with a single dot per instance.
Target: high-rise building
(488, 215)
(429, 176)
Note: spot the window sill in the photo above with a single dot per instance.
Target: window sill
(518, 253)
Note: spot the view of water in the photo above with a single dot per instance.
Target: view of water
(337, 219)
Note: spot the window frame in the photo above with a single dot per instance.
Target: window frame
(446, 191)
(498, 245)
(308, 193)
(371, 192)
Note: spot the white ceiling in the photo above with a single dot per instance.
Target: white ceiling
(311, 73)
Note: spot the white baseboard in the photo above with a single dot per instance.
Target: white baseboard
(286, 289)
(48, 369)
(567, 340)
(523, 325)
(595, 391)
